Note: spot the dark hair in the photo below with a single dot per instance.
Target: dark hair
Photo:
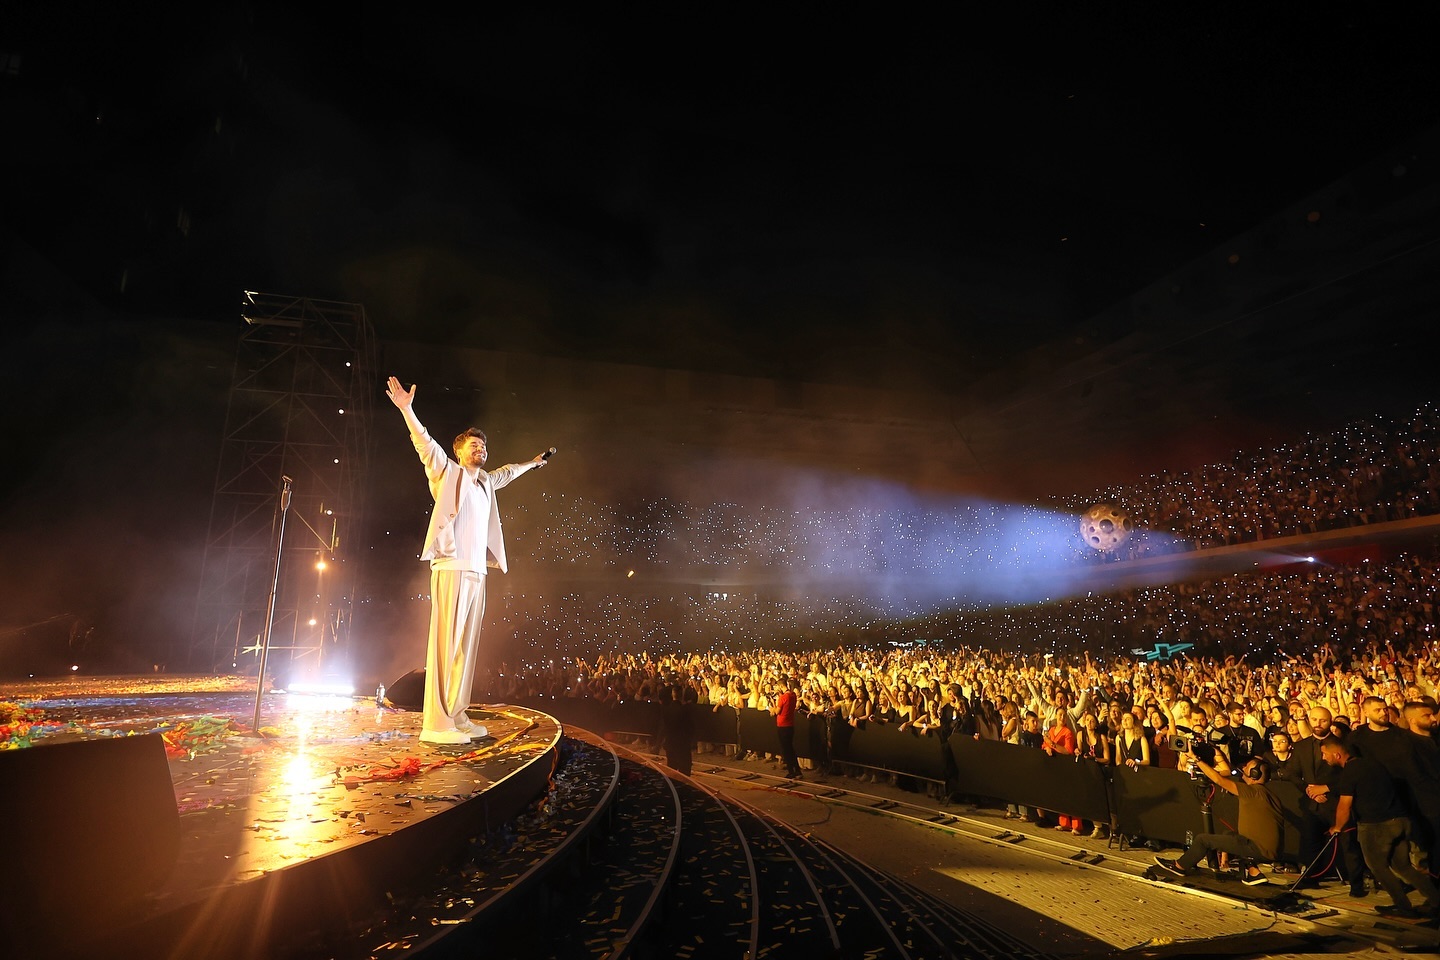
(466, 435)
(1262, 769)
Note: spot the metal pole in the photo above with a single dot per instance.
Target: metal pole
(284, 509)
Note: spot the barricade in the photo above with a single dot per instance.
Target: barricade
(1034, 778)
(1162, 805)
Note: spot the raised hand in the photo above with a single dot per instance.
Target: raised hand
(399, 395)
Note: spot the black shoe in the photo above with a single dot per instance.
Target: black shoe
(1171, 865)
(1254, 879)
(1358, 890)
(1395, 910)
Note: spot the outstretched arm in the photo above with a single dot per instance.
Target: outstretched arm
(1215, 776)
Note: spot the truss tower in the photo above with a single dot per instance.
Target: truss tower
(300, 407)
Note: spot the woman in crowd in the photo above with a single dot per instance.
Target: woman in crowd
(735, 699)
(1114, 713)
(1060, 742)
(920, 718)
(862, 708)
(988, 722)
(1009, 721)
(1090, 744)
(1281, 756)
(904, 704)
(961, 718)
(1279, 717)
(1131, 747)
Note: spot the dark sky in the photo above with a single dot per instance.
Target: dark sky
(833, 195)
(905, 199)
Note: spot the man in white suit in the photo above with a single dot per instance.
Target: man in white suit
(464, 538)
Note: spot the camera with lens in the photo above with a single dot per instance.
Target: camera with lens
(1181, 743)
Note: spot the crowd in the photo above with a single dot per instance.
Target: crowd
(1260, 616)
(1370, 471)
(1265, 718)
(1244, 662)
(986, 694)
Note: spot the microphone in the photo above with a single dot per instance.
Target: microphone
(548, 454)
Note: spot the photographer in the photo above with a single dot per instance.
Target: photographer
(1257, 837)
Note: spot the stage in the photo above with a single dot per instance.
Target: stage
(150, 819)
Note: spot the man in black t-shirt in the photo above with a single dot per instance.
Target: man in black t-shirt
(1245, 740)
(1425, 773)
(1367, 793)
(1380, 740)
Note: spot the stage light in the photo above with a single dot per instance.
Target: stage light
(334, 688)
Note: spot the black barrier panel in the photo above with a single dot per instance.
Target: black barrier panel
(601, 718)
(1024, 775)
(1158, 804)
(579, 711)
(810, 738)
(883, 745)
(1293, 829)
(1165, 805)
(635, 717)
(715, 724)
(757, 731)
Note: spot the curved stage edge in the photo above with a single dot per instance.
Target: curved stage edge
(149, 820)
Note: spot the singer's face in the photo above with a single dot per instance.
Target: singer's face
(472, 453)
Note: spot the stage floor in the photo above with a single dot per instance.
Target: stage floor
(324, 774)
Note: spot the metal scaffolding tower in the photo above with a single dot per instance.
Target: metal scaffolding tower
(300, 406)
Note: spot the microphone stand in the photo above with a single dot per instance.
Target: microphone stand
(282, 510)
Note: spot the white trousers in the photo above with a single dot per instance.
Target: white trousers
(457, 605)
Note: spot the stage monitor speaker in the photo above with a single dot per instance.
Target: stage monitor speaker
(92, 830)
(408, 693)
